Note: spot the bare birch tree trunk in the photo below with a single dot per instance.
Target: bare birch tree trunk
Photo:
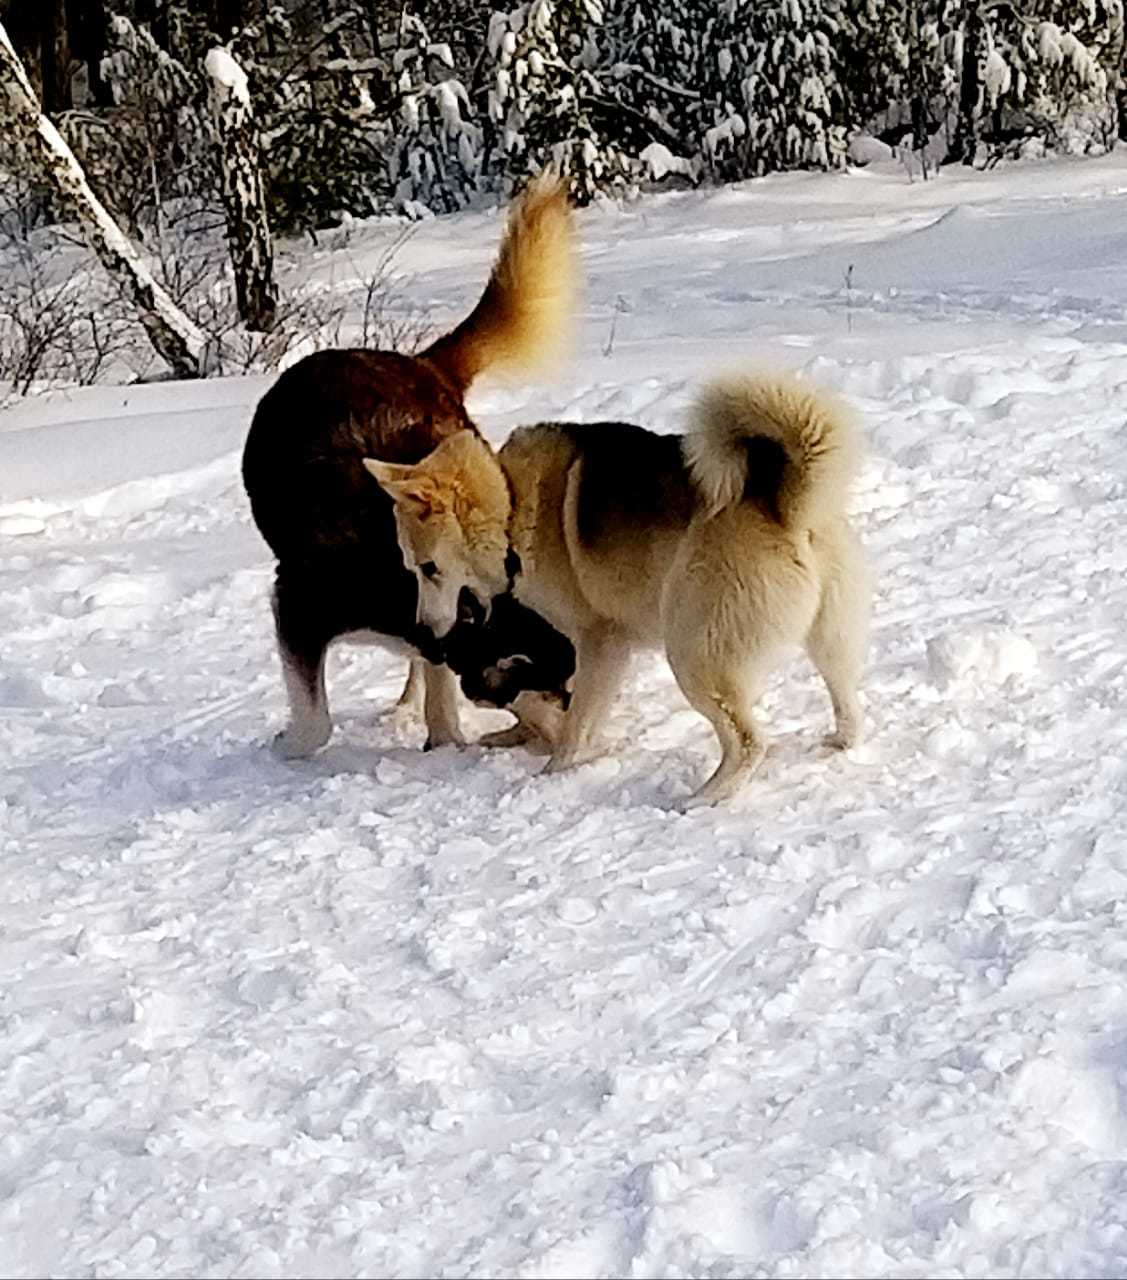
(248, 229)
(174, 337)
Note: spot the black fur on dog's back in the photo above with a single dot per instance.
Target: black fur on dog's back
(340, 569)
(303, 464)
(332, 530)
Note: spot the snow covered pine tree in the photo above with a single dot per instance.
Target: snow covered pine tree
(1034, 76)
(772, 77)
(437, 157)
(656, 78)
(547, 101)
(1051, 75)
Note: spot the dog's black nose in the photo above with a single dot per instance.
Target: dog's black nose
(470, 609)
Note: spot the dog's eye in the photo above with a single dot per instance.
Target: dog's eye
(429, 569)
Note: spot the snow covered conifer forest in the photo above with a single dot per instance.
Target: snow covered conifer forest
(375, 106)
(349, 108)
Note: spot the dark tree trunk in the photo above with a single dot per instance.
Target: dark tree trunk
(229, 16)
(23, 19)
(918, 83)
(970, 88)
(56, 57)
(89, 24)
(154, 14)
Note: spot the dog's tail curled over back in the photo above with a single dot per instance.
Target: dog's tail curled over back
(524, 316)
(775, 441)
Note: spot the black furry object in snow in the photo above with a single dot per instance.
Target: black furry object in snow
(512, 651)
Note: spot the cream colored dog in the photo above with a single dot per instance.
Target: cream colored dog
(726, 546)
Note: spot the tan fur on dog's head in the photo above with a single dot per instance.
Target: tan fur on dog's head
(452, 516)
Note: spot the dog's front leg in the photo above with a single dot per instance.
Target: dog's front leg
(440, 707)
(602, 655)
(301, 649)
(540, 720)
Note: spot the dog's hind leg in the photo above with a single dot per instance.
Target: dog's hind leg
(723, 659)
(301, 649)
(602, 656)
(728, 704)
(440, 707)
(838, 641)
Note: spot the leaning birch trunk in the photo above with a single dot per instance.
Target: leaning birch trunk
(244, 200)
(174, 337)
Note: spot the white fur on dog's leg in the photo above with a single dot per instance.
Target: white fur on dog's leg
(409, 708)
(839, 640)
(849, 719)
(440, 706)
(542, 716)
(537, 727)
(560, 761)
(310, 725)
(742, 747)
(301, 743)
(412, 695)
(716, 790)
(601, 660)
(730, 778)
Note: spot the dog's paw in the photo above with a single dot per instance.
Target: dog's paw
(299, 744)
(686, 804)
(405, 718)
(560, 762)
(447, 738)
(841, 740)
(519, 735)
(516, 735)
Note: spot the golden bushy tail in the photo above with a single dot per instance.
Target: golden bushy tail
(776, 441)
(525, 313)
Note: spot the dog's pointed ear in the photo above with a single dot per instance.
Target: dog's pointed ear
(406, 484)
(456, 451)
(387, 472)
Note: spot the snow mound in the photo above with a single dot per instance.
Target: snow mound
(983, 656)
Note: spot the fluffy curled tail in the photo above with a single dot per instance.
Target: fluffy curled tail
(775, 441)
(525, 312)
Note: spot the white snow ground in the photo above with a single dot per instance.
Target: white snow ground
(395, 1014)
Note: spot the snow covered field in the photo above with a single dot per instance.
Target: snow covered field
(387, 1013)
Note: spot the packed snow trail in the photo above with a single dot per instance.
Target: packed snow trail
(406, 1014)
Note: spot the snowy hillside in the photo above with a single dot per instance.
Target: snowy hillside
(387, 1013)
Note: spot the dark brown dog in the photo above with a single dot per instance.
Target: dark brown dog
(340, 571)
